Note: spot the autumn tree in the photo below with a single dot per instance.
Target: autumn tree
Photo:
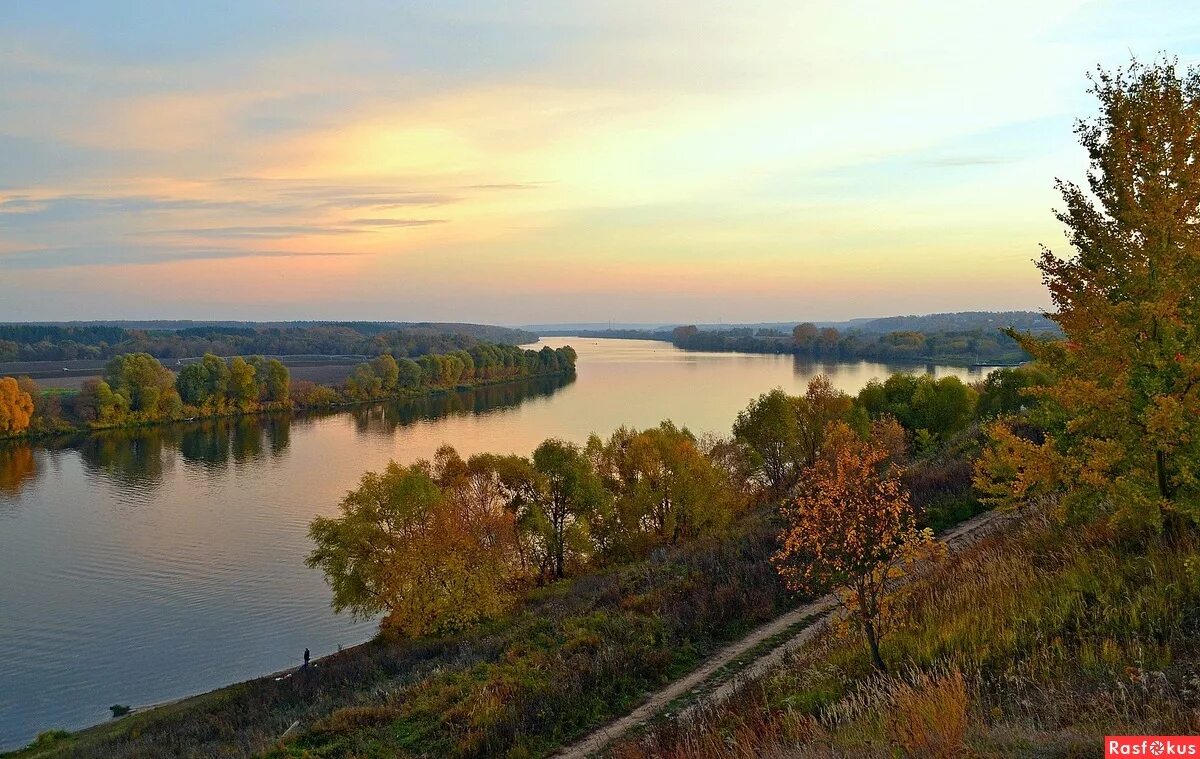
(1122, 419)
(145, 386)
(16, 407)
(388, 372)
(243, 387)
(274, 381)
(666, 489)
(804, 336)
(413, 544)
(851, 526)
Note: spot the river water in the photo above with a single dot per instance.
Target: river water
(139, 566)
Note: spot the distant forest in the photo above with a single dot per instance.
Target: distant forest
(103, 340)
(974, 337)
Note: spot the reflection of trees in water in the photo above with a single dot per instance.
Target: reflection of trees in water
(805, 366)
(17, 467)
(386, 418)
(138, 457)
(135, 457)
(214, 443)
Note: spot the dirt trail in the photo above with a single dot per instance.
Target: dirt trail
(716, 671)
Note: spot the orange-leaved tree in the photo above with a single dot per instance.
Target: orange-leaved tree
(16, 407)
(852, 526)
(1122, 418)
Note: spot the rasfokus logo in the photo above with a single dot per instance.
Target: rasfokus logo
(1152, 745)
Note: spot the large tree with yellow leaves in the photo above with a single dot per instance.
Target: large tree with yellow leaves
(1123, 416)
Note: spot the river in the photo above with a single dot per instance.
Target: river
(139, 566)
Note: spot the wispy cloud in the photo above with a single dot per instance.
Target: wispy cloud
(57, 258)
(952, 161)
(261, 232)
(395, 222)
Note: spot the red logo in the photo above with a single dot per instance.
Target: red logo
(1152, 745)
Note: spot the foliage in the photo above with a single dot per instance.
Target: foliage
(665, 489)
(784, 433)
(16, 407)
(1006, 392)
(58, 342)
(770, 429)
(556, 515)
(143, 386)
(1123, 418)
(410, 544)
(852, 523)
(958, 346)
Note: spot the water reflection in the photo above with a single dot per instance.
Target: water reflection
(17, 467)
(804, 367)
(386, 418)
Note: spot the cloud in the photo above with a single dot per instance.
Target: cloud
(261, 232)
(106, 255)
(396, 222)
(952, 161)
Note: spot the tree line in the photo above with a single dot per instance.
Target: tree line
(38, 342)
(977, 346)
(136, 388)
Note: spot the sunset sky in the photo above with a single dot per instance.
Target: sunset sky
(525, 162)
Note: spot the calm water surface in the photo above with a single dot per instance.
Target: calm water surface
(141, 566)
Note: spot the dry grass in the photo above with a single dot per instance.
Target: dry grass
(1036, 642)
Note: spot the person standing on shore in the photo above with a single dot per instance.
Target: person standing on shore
(306, 658)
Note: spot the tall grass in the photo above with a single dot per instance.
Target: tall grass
(1037, 641)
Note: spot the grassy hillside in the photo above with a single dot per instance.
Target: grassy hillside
(1037, 641)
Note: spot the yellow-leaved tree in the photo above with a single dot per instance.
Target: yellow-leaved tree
(1122, 416)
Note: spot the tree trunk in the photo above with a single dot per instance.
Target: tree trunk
(873, 642)
(1160, 466)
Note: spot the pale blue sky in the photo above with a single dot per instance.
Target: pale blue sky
(532, 162)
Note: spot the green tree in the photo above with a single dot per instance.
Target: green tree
(146, 385)
(192, 384)
(243, 388)
(667, 490)
(1008, 391)
(408, 373)
(276, 381)
(363, 383)
(770, 428)
(429, 558)
(1123, 416)
(567, 496)
(388, 372)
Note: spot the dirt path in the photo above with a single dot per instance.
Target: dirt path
(738, 662)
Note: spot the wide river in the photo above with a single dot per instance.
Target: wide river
(143, 565)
